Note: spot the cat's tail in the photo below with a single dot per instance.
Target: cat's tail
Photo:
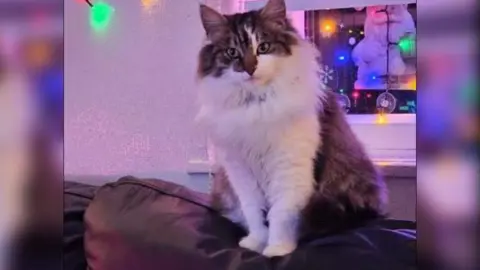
(328, 214)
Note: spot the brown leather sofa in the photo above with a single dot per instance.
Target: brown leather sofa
(148, 224)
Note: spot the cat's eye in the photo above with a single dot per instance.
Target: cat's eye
(263, 48)
(232, 53)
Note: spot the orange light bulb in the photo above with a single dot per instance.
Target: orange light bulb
(412, 84)
(327, 27)
(381, 119)
(148, 4)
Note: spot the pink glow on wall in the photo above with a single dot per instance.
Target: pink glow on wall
(130, 91)
(297, 17)
(298, 20)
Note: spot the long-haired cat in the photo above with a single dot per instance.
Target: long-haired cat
(285, 152)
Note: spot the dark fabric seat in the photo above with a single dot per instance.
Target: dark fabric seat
(77, 198)
(153, 224)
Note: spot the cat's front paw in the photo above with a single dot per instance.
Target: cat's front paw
(279, 249)
(252, 243)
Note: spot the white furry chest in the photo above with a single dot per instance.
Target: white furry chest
(237, 131)
(262, 149)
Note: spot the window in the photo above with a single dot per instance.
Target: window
(368, 56)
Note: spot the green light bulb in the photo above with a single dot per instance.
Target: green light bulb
(101, 16)
(407, 44)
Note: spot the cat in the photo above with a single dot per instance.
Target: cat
(286, 155)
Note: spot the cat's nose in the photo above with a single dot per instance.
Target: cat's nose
(250, 70)
(250, 63)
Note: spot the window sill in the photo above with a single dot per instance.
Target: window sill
(389, 168)
(394, 140)
(392, 146)
(391, 119)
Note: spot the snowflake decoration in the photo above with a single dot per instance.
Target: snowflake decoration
(326, 75)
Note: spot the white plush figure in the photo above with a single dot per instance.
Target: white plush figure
(370, 54)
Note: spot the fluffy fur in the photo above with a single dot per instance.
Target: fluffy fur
(262, 115)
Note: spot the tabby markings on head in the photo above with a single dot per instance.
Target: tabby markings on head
(240, 40)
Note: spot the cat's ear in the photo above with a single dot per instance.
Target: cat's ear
(275, 11)
(212, 21)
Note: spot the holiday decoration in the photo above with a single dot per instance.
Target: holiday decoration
(326, 75)
(150, 6)
(38, 52)
(407, 46)
(379, 52)
(147, 4)
(379, 91)
(100, 15)
(381, 119)
(412, 84)
(352, 41)
(409, 107)
(341, 57)
(386, 102)
(344, 102)
(328, 27)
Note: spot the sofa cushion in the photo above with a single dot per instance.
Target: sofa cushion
(77, 197)
(153, 224)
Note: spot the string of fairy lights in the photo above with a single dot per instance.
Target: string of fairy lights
(101, 13)
(328, 26)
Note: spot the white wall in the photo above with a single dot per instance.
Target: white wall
(298, 21)
(129, 92)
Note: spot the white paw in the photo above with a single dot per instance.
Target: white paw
(252, 243)
(279, 250)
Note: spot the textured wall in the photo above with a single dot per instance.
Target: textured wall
(129, 91)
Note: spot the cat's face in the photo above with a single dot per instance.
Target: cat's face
(246, 47)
